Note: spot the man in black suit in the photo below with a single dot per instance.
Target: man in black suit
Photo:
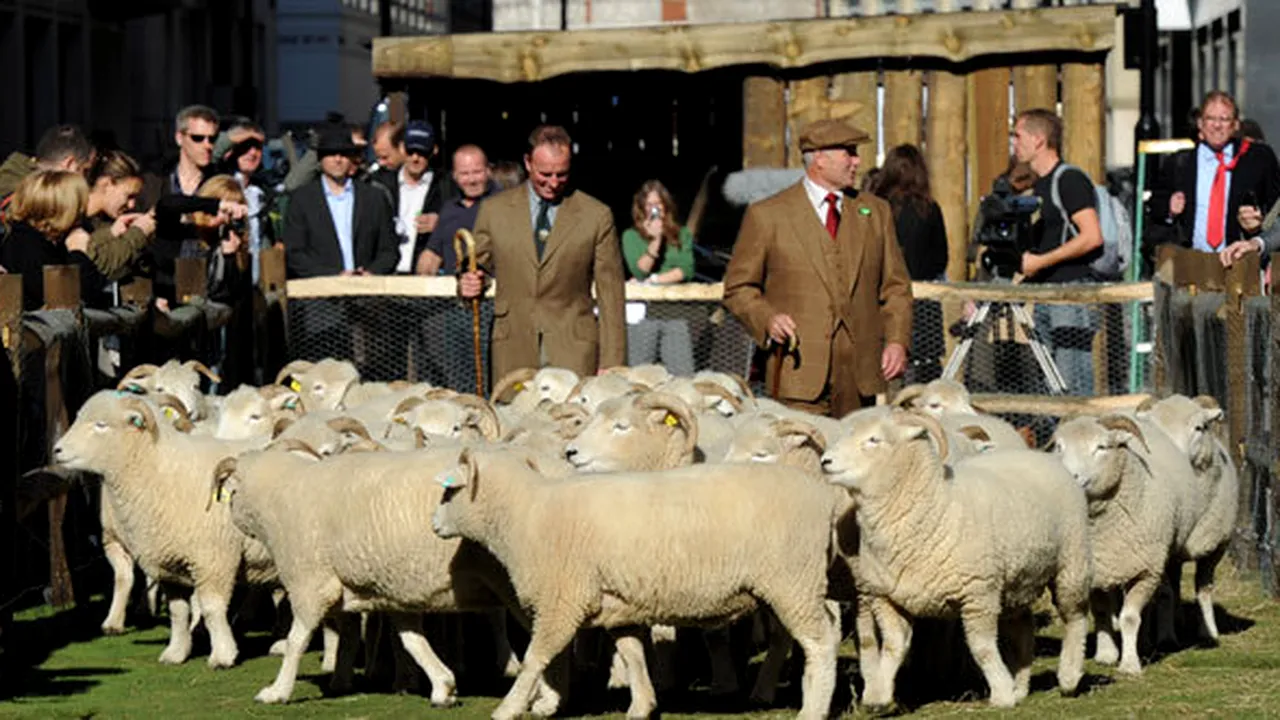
(1220, 189)
(415, 191)
(335, 225)
(338, 226)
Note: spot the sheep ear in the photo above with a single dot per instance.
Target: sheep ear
(977, 434)
(203, 370)
(908, 395)
(1210, 416)
(1145, 406)
(462, 475)
(1124, 430)
(139, 416)
(281, 425)
(796, 433)
(225, 469)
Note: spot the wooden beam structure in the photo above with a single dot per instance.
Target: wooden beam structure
(764, 114)
(787, 44)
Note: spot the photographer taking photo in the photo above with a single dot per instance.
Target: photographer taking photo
(1064, 242)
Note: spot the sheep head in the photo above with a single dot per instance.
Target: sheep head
(650, 375)
(878, 451)
(462, 508)
(323, 385)
(1096, 451)
(111, 430)
(592, 391)
(1193, 424)
(455, 416)
(733, 382)
(940, 397)
(719, 398)
(223, 485)
(767, 438)
(249, 412)
(648, 431)
(181, 380)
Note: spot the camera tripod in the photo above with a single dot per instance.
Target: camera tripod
(1048, 368)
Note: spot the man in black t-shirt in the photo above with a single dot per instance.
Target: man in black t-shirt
(1062, 247)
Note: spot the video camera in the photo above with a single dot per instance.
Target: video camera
(1004, 227)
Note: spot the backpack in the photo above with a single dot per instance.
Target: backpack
(1113, 220)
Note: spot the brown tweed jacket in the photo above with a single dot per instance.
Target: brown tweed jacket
(553, 296)
(779, 265)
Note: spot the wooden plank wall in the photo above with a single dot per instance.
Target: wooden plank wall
(963, 127)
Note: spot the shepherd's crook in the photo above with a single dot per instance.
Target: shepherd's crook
(460, 238)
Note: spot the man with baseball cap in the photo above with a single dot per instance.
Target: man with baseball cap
(415, 193)
(841, 338)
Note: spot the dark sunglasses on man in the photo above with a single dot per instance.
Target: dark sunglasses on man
(196, 138)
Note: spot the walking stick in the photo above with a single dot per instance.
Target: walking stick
(780, 352)
(464, 237)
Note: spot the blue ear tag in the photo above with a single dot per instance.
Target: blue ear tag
(449, 481)
(864, 210)
(137, 421)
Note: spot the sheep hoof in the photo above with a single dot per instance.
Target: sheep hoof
(880, 710)
(449, 701)
(511, 668)
(1130, 668)
(219, 662)
(269, 695)
(277, 648)
(174, 656)
(1003, 701)
(545, 706)
(112, 629)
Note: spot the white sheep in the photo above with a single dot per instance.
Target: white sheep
(252, 412)
(352, 533)
(179, 379)
(645, 431)
(591, 391)
(322, 385)
(983, 541)
(446, 415)
(1124, 472)
(521, 391)
(650, 375)
(950, 402)
(155, 480)
(694, 545)
(1208, 507)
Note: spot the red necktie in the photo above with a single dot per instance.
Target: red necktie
(1217, 197)
(833, 215)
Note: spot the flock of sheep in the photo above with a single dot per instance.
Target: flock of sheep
(636, 501)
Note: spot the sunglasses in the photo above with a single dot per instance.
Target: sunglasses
(200, 138)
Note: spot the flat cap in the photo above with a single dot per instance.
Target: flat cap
(823, 134)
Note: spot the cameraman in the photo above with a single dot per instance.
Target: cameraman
(1061, 247)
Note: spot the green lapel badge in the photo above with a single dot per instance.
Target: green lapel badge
(864, 210)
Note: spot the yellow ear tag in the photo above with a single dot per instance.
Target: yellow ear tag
(399, 420)
(295, 386)
(671, 420)
(170, 413)
(519, 387)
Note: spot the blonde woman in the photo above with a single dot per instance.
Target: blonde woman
(221, 238)
(43, 229)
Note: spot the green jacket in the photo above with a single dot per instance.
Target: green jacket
(16, 167)
(634, 247)
(115, 256)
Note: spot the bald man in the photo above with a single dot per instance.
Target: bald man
(471, 176)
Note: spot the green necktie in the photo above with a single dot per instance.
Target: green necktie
(542, 228)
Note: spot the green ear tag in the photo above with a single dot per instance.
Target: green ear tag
(864, 210)
(448, 481)
(137, 421)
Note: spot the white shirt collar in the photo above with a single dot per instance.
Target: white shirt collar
(818, 198)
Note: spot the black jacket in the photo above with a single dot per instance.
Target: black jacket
(433, 203)
(26, 251)
(311, 242)
(1256, 171)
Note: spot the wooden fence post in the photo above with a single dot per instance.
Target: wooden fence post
(806, 102)
(1083, 105)
(1242, 281)
(191, 279)
(764, 118)
(1273, 540)
(61, 292)
(988, 130)
(10, 429)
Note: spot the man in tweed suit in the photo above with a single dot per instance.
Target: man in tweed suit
(546, 244)
(817, 270)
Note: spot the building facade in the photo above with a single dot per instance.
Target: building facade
(325, 53)
(122, 69)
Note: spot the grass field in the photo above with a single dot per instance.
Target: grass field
(73, 672)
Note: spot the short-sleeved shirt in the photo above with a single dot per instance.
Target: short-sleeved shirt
(453, 216)
(1076, 191)
(634, 247)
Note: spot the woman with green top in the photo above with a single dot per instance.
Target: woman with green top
(659, 251)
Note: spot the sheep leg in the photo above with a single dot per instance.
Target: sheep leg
(663, 638)
(1205, 568)
(1022, 650)
(765, 690)
(1135, 599)
(1106, 652)
(868, 641)
(408, 627)
(345, 631)
(724, 677)
(508, 663)
(1167, 606)
(122, 570)
(304, 624)
(630, 647)
(213, 605)
(553, 630)
(1074, 613)
(981, 626)
(179, 647)
(895, 635)
(814, 628)
(153, 596)
(329, 659)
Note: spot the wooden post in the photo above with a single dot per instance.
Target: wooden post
(988, 130)
(137, 293)
(764, 118)
(397, 107)
(1035, 86)
(1242, 281)
(1274, 496)
(945, 152)
(61, 292)
(190, 279)
(1083, 105)
(271, 269)
(902, 107)
(807, 103)
(10, 432)
(858, 91)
